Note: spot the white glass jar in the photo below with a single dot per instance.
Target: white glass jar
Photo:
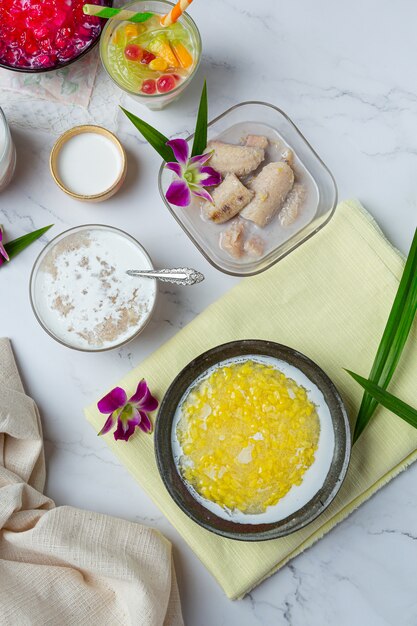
(7, 153)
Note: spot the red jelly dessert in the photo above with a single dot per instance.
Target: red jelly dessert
(133, 52)
(149, 86)
(165, 83)
(41, 34)
(147, 57)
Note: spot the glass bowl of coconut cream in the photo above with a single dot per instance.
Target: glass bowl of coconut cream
(80, 292)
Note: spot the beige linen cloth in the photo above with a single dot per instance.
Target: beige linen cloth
(60, 565)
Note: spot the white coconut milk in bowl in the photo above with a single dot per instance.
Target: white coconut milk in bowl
(81, 294)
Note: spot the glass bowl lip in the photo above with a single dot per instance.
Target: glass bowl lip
(181, 85)
(50, 245)
(273, 262)
(3, 119)
(270, 530)
(61, 64)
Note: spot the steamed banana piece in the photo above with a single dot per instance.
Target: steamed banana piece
(230, 159)
(257, 141)
(271, 187)
(254, 246)
(292, 204)
(229, 198)
(232, 239)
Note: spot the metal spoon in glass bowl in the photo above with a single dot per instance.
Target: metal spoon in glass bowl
(177, 276)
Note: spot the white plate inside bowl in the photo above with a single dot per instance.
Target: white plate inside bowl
(315, 475)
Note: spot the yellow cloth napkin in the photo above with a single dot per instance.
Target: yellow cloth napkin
(329, 299)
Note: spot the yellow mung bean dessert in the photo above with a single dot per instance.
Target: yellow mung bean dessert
(248, 434)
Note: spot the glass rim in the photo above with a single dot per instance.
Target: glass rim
(268, 262)
(8, 135)
(35, 269)
(190, 22)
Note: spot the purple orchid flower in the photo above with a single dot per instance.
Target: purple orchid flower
(3, 254)
(192, 174)
(127, 413)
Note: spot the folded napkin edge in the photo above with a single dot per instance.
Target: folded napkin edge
(341, 516)
(9, 373)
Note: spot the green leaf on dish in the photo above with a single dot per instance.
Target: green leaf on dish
(387, 400)
(393, 339)
(156, 139)
(200, 135)
(17, 245)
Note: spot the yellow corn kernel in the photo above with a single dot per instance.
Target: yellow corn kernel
(158, 64)
(256, 443)
(132, 31)
(117, 38)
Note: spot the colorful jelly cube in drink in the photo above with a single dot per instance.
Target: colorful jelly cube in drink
(40, 34)
(148, 59)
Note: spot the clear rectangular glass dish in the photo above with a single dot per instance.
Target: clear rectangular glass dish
(260, 118)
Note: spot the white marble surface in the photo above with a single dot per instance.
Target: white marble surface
(345, 74)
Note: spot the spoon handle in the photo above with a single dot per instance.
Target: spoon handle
(178, 276)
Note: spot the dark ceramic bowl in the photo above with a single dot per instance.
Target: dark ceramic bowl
(175, 484)
(60, 64)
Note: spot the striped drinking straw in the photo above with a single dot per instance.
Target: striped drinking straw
(132, 16)
(118, 14)
(175, 13)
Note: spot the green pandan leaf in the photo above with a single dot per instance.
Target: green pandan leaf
(200, 135)
(394, 337)
(387, 400)
(17, 245)
(154, 137)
